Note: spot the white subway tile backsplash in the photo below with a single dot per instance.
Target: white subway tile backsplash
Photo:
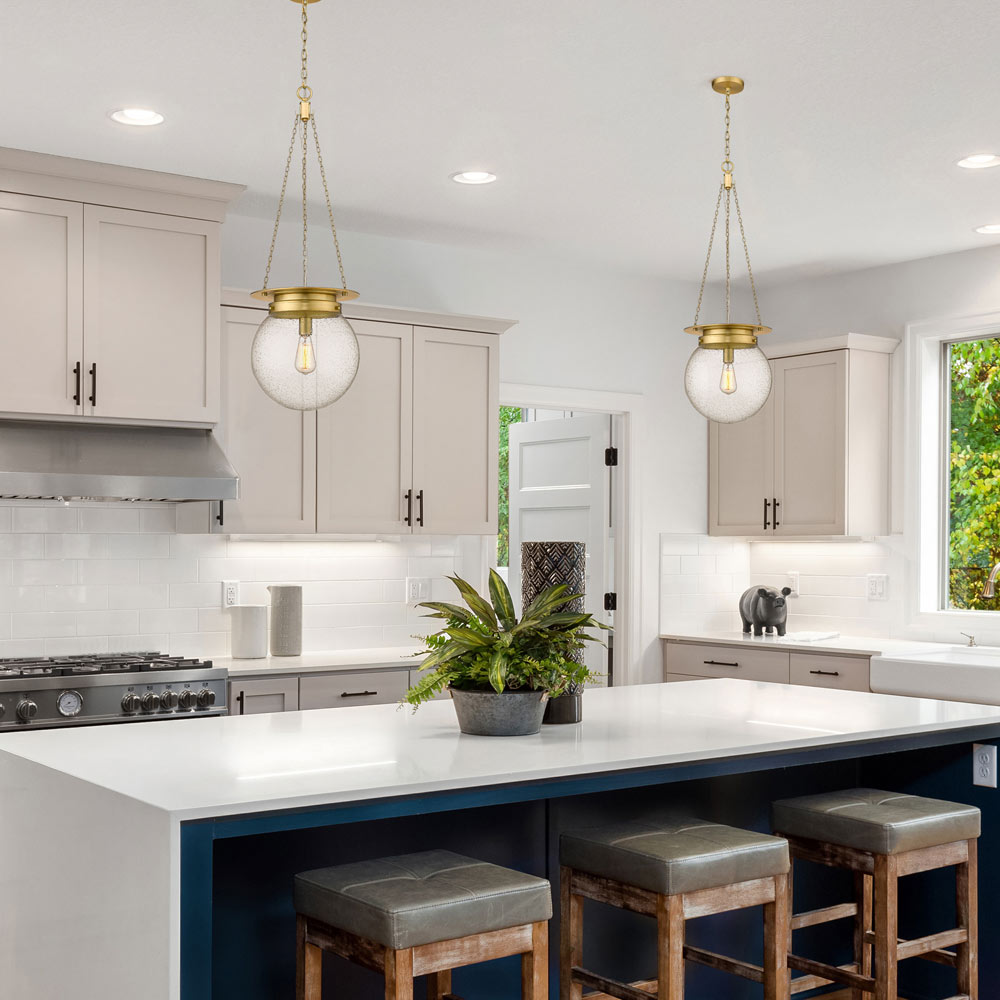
(196, 595)
(76, 647)
(16, 546)
(76, 598)
(116, 518)
(152, 620)
(139, 595)
(138, 546)
(697, 564)
(317, 639)
(78, 546)
(214, 620)
(109, 571)
(162, 517)
(42, 624)
(37, 572)
(701, 579)
(43, 519)
(22, 599)
(107, 622)
(168, 570)
(343, 592)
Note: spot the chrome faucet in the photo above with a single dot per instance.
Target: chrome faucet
(990, 581)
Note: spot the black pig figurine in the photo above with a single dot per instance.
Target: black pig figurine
(764, 609)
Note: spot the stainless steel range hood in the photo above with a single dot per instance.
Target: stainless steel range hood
(41, 460)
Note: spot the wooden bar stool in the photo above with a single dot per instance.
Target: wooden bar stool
(673, 871)
(421, 914)
(881, 836)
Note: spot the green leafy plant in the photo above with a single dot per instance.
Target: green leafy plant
(485, 647)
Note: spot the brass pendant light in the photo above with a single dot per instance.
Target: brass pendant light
(727, 378)
(305, 354)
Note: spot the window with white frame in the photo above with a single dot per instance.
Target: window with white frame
(971, 527)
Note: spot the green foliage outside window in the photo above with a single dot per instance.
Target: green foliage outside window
(508, 415)
(974, 464)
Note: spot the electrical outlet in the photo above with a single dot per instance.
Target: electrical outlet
(984, 765)
(792, 582)
(418, 588)
(878, 586)
(230, 593)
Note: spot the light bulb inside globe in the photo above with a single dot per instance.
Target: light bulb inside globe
(305, 371)
(742, 389)
(727, 383)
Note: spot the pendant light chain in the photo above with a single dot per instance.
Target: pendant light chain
(304, 116)
(727, 188)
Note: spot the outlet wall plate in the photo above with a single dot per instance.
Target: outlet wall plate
(877, 587)
(793, 582)
(230, 593)
(984, 765)
(418, 588)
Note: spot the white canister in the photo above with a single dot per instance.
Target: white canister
(249, 639)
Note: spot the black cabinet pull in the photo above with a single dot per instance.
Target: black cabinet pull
(239, 701)
(826, 673)
(78, 374)
(93, 383)
(420, 516)
(358, 694)
(777, 504)
(718, 663)
(221, 516)
(408, 497)
(767, 505)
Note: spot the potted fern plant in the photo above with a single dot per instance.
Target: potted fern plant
(502, 670)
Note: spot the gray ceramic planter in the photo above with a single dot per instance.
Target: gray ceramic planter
(486, 713)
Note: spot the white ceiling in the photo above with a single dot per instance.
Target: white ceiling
(596, 115)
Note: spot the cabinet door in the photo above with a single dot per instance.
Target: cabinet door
(343, 690)
(363, 439)
(268, 694)
(151, 316)
(456, 389)
(810, 439)
(272, 448)
(41, 260)
(741, 474)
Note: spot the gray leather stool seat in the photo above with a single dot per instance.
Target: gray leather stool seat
(868, 819)
(415, 899)
(674, 856)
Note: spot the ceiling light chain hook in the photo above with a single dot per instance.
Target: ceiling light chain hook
(281, 201)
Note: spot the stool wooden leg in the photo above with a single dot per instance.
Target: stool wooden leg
(570, 936)
(777, 920)
(308, 965)
(670, 947)
(967, 905)
(885, 925)
(438, 984)
(862, 924)
(535, 965)
(398, 974)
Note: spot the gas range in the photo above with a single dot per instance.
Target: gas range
(50, 692)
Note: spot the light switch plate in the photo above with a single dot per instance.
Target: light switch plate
(418, 588)
(984, 765)
(793, 582)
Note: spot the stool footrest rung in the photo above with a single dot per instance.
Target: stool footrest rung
(931, 947)
(823, 916)
(804, 983)
(846, 975)
(724, 963)
(610, 987)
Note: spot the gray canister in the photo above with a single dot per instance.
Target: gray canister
(286, 620)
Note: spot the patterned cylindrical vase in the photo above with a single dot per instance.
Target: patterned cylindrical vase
(544, 564)
(286, 620)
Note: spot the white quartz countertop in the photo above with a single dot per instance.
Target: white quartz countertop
(212, 767)
(848, 644)
(400, 657)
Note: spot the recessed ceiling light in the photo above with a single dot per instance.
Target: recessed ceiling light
(991, 230)
(979, 161)
(136, 116)
(474, 177)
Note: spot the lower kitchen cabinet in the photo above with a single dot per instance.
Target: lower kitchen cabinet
(850, 673)
(255, 696)
(343, 690)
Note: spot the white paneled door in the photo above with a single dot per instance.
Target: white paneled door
(364, 456)
(41, 260)
(560, 492)
(272, 448)
(456, 389)
(151, 317)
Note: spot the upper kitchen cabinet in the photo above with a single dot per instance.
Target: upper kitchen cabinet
(814, 462)
(456, 404)
(410, 448)
(114, 290)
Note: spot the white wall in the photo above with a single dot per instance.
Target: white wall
(579, 326)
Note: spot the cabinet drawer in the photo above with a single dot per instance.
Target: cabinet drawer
(727, 661)
(343, 690)
(852, 673)
(671, 678)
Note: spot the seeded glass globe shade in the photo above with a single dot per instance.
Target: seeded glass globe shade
(331, 350)
(727, 395)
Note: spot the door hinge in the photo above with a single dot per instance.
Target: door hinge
(610, 602)
(610, 456)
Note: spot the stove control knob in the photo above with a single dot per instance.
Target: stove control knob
(206, 698)
(130, 704)
(27, 710)
(150, 701)
(169, 700)
(187, 700)
(3, 708)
